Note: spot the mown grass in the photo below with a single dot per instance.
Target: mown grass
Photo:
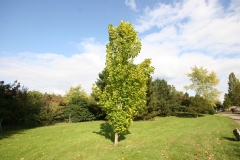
(208, 137)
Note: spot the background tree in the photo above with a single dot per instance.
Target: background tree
(23, 107)
(49, 113)
(102, 80)
(100, 83)
(76, 95)
(35, 101)
(12, 103)
(175, 99)
(204, 84)
(167, 98)
(78, 105)
(219, 106)
(149, 111)
(95, 108)
(227, 102)
(18, 106)
(51, 109)
(199, 105)
(184, 101)
(236, 97)
(233, 90)
(125, 92)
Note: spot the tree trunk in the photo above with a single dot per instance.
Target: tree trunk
(1, 125)
(69, 118)
(116, 139)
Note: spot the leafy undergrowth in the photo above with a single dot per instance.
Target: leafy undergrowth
(208, 137)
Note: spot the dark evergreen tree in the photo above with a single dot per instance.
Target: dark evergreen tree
(102, 80)
(232, 82)
(100, 83)
(12, 103)
(233, 89)
(78, 106)
(167, 98)
(149, 111)
(227, 102)
(199, 105)
(219, 106)
(236, 96)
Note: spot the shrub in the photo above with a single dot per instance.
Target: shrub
(78, 113)
(49, 113)
(212, 112)
(186, 115)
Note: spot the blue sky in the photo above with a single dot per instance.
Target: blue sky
(55, 26)
(52, 45)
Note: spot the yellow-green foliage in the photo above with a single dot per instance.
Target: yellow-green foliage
(75, 94)
(125, 92)
(204, 84)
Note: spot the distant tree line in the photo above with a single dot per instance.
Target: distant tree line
(19, 106)
(164, 100)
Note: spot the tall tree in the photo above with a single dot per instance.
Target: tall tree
(233, 89)
(204, 84)
(236, 96)
(232, 83)
(125, 92)
(146, 113)
(227, 102)
(167, 98)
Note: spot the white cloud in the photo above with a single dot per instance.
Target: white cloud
(50, 72)
(198, 24)
(131, 4)
(188, 33)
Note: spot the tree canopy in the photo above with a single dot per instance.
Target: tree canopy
(166, 97)
(204, 84)
(233, 90)
(232, 83)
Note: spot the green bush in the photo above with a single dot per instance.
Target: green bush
(49, 113)
(174, 114)
(77, 113)
(186, 115)
(212, 112)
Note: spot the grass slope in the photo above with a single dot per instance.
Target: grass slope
(208, 137)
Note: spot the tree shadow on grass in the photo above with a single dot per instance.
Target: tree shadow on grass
(188, 115)
(230, 139)
(106, 130)
(235, 146)
(9, 131)
(7, 134)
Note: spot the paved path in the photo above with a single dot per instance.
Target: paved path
(236, 117)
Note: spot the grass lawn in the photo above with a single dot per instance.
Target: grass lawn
(208, 137)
